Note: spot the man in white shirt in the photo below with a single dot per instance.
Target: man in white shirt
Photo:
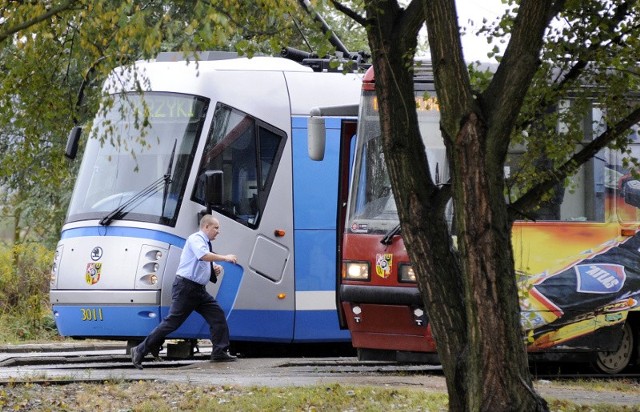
(195, 270)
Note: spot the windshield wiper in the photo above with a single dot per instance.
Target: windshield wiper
(144, 194)
(388, 238)
(135, 200)
(167, 178)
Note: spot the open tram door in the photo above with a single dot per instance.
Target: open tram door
(321, 128)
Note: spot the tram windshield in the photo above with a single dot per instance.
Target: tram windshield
(372, 207)
(138, 157)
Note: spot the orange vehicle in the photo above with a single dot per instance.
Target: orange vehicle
(578, 263)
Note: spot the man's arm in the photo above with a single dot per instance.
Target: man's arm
(214, 257)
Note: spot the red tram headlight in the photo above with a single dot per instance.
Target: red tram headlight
(406, 273)
(355, 270)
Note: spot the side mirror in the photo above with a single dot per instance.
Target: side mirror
(213, 188)
(317, 136)
(72, 142)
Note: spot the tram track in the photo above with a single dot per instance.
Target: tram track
(96, 360)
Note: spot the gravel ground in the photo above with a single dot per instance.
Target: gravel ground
(171, 396)
(121, 387)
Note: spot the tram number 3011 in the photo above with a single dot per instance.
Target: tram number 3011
(92, 314)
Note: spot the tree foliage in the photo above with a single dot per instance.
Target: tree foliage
(55, 55)
(24, 292)
(589, 56)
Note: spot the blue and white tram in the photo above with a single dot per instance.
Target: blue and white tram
(141, 189)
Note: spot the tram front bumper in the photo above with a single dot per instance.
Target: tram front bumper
(105, 314)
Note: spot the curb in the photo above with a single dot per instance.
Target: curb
(74, 346)
(61, 347)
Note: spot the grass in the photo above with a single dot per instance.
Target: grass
(147, 396)
(602, 385)
(15, 329)
(157, 397)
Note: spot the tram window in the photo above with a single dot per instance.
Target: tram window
(269, 144)
(624, 178)
(581, 198)
(247, 151)
(585, 196)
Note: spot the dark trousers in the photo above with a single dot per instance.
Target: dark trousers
(186, 297)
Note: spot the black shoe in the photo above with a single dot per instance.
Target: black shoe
(136, 357)
(223, 357)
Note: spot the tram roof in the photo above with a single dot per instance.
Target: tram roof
(218, 60)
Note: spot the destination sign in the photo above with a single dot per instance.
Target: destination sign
(423, 103)
(161, 105)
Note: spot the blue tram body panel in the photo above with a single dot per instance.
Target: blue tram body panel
(261, 325)
(105, 321)
(319, 326)
(120, 231)
(315, 183)
(315, 201)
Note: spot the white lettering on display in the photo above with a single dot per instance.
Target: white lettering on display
(174, 108)
(602, 276)
(422, 104)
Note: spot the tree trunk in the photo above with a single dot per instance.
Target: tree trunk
(497, 374)
(470, 294)
(470, 297)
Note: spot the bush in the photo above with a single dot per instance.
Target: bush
(25, 271)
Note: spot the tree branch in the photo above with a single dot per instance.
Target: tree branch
(349, 12)
(86, 79)
(67, 5)
(505, 95)
(246, 31)
(412, 19)
(453, 86)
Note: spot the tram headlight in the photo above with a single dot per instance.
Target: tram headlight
(154, 255)
(152, 265)
(151, 278)
(55, 266)
(355, 270)
(406, 273)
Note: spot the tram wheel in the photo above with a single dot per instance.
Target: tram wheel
(616, 361)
